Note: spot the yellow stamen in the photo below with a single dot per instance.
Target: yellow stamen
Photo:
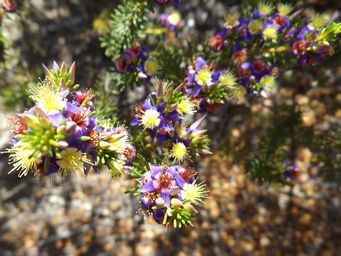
(22, 159)
(45, 95)
(255, 26)
(204, 76)
(185, 106)
(284, 9)
(72, 161)
(179, 151)
(151, 67)
(320, 20)
(228, 79)
(232, 20)
(265, 8)
(174, 18)
(270, 33)
(118, 145)
(150, 119)
(267, 81)
(195, 193)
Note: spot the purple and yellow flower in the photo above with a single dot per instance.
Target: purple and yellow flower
(169, 194)
(61, 134)
(172, 21)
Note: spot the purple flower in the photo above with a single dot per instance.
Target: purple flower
(165, 181)
(259, 69)
(122, 64)
(281, 22)
(242, 30)
(305, 31)
(172, 21)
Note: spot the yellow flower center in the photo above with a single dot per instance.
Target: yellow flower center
(232, 20)
(46, 96)
(320, 20)
(255, 26)
(150, 119)
(238, 92)
(22, 159)
(284, 9)
(270, 33)
(195, 193)
(179, 151)
(118, 142)
(204, 76)
(267, 81)
(185, 107)
(265, 8)
(151, 67)
(174, 18)
(71, 161)
(228, 80)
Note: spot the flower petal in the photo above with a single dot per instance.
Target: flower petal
(148, 187)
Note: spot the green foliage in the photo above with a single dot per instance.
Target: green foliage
(173, 61)
(15, 96)
(126, 25)
(104, 99)
(277, 145)
(121, 82)
(330, 32)
(327, 148)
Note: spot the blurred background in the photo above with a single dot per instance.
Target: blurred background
(95, 216)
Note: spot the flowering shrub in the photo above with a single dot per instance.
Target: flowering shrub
(244, 60)
(257, 45)
(184, 82)
(169, 194)
(61, 133)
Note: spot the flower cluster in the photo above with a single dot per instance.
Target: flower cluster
(310, 44)
(10, 5)
(136, 59)
(169, 194)
(61, 133)
(254, 45)
(163, 117)
(209, 87)
(172, 21)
